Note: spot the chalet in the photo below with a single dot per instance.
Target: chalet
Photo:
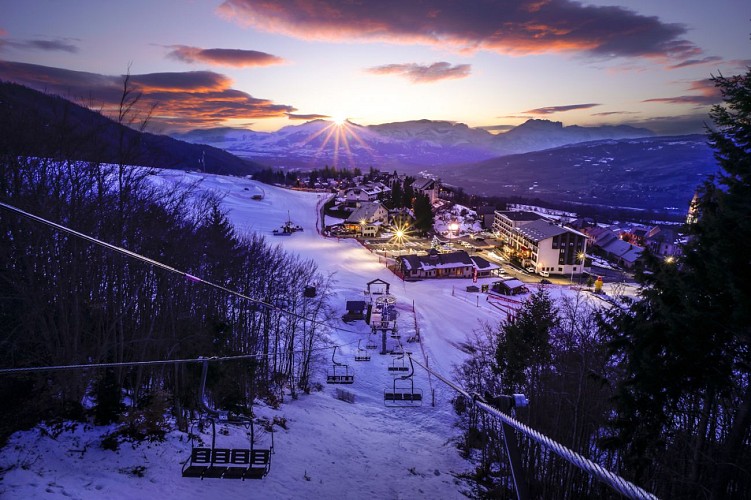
(364, 193)
(484, 268)
(428, 187)
(510, 286)
(437, 265)
(446, 265)
(663, 242)
(615, 249)
(367, 219)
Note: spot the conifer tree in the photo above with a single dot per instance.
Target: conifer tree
(683, 346)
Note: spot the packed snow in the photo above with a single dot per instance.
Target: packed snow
(330, 448)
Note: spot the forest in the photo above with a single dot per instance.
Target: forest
(65, 301)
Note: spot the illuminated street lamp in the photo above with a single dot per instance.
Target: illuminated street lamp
(580, 256)
(453, 228)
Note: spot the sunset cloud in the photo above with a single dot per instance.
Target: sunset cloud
(236, 58)
(707, 95)
(615, 113)
(510, 27)
(418, 73)
(549, 110)
(294, 116)
(193, 99)
(696, 62)
(63, 45)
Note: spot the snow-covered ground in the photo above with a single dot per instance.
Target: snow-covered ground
(331, 448)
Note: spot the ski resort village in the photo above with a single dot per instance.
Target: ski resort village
(385, 342)
(355, 250)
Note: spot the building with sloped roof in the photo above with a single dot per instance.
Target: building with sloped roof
(368, 219)
(549, 248)
(428, 187)
(445, 265)
(504, 222)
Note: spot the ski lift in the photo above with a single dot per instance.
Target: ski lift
(371, 345)
(398, 365)
(226, 463)
(403, 393)
(397, 350)
(333, 377)
(361, 354)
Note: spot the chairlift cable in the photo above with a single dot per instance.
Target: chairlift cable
(124, 364)
(616, 482)
(161, 265)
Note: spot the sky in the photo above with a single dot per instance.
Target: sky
(264, 64)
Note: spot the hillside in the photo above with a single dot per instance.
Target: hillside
(658, 173)
(33, 123)
(329, 448)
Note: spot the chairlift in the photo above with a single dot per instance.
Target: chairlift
(398, 365)
(397, 350)
(332, 377)
(226, 463)
(371, 345)
(361, 354)
(403, 393)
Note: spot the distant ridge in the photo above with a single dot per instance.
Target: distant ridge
(33, 123)
(405, 145)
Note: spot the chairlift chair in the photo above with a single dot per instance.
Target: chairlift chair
(398, 365)
(226, 463)
(403, 393)
(371, 345)
(332, 377)
(361, 354)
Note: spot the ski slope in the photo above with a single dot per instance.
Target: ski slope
(331, 448)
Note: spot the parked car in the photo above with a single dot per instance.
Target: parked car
(544, 274)
(529, 269)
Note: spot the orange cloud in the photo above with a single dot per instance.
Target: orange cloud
(559, 109)
(424, 74)
(311, 116)
(708, 95)
(193, 99)
(511, 26)
(236, 58)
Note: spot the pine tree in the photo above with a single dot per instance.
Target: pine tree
(683, 346)
(524, 345)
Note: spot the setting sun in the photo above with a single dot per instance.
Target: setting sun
(339, 120)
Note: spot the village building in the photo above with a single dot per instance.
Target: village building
(616, 250)
(511, 286)
(367, 220)
(504, 222)
(547, 248)
(428, 187)
(446, 265)
(357, 196)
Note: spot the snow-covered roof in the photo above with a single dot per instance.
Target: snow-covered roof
(435, 260)
(365, 212)
(541, 230)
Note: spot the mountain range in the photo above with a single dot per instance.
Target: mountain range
(651, 173)
(617, 166)
(402, 145)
